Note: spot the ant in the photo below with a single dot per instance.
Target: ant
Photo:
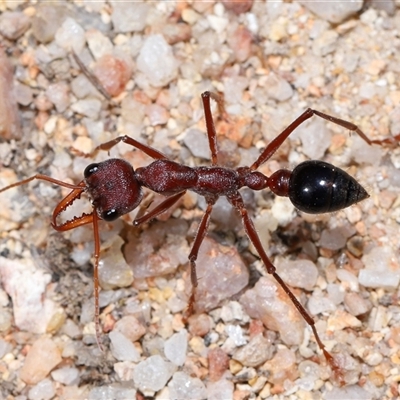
(115, 188)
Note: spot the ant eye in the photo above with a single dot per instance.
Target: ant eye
(110, 215)
(90, 170)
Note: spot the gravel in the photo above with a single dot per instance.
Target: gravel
(271, 61)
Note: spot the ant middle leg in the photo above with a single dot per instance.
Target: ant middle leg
(274, 145)
(201, 233)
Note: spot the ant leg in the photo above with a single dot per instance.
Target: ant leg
(156, 211)
(43, 178)
(150, 151)
(96, 281)
(201, 233)
(237, 201)
(211, 133)
(277, 142)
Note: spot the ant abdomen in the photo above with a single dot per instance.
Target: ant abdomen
(317, 187)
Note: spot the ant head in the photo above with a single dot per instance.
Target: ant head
(113, 188)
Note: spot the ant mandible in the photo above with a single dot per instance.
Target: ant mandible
(115, 188)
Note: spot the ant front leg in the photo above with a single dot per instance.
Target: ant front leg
(150, 151)
(201, 233)
(237, 201)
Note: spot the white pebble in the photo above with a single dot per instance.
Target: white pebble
(117, 391)
(297, 273)
(122, 348)
(278, 88)
(44, 390)
(235, 332)
(156, 61)
(184, 387)
(66, 375)
(197, 142)
(129, 16)
(222, 389)
(88, 107)
(381, 270)
(153, 373)
(71, 36)
(176, 346)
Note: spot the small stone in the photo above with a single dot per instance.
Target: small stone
(43, 390)
(268, 303)
(116, 391)
(351, 392)
(332, 11)
(9, 118)
(238, 7)
(199, 324)
(98, 44)
(222, 389)
(129, 17)
(153, 373)
(222, 273)
(66, 375)
(218, 363)
(26, 284)
(114, 272)
(184, 387)
(176, 346)
(70, 36)
(13, 24)
(47, 20)
(235, 333)
(240, 42)
(277, 88)
(197, 142)
(341, 319)
(282, 367)
(356, 305)
(157, 114)
(43, 356)
(157, 61)
(315, 138)
(159, 250)
(58, 94)
(255, 353)
(122, 348)
(113, 73)
(382, 270)
(88, 107)
(130, 327)
(298, 273)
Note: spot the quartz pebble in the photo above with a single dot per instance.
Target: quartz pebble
(268, 303)
(130, 327)
(382, 270)
(153, 373)
(43, 390)
(41, 359)
(66, 375)
(122, 348)
(26, 284)
(222, 274)
(332, 11)
(301, 273)
(9, 118)
(254, 353)
(13, 24)
(184, 387)
(176, 346)
(157, 61)
(222, 389)
(116, 391)
(218, 363)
